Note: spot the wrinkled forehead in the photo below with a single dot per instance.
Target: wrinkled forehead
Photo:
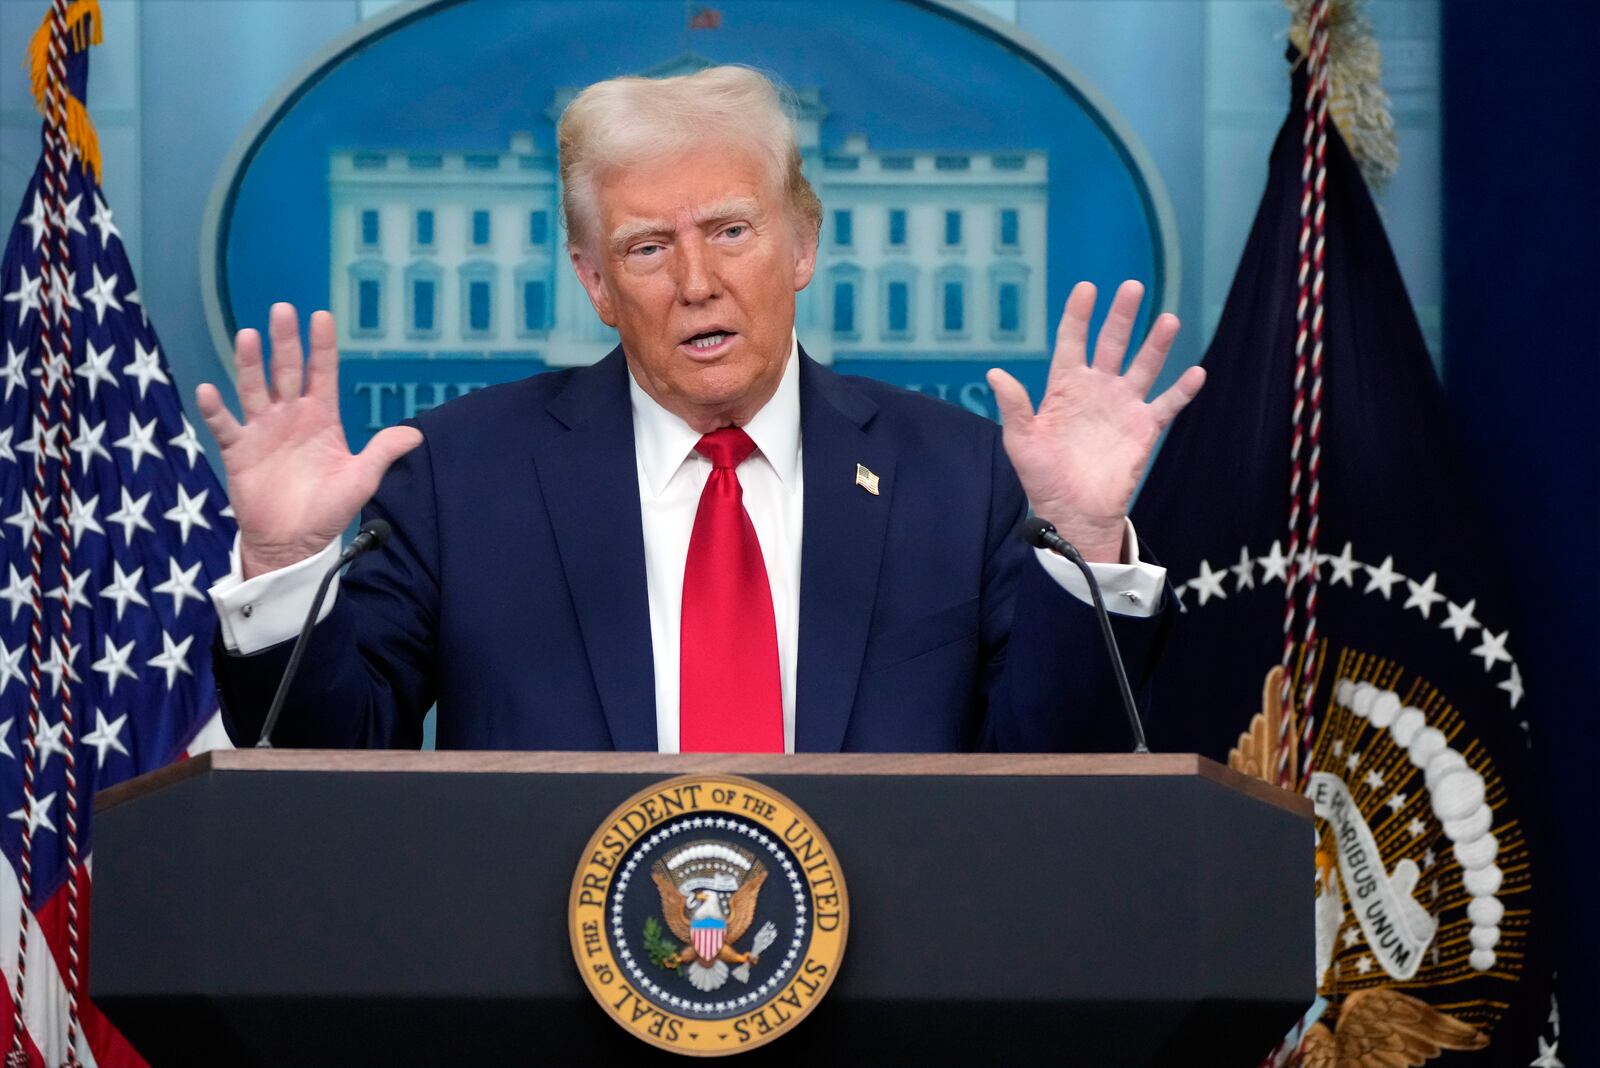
(709, 182)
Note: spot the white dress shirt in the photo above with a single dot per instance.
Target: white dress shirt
(258, 613)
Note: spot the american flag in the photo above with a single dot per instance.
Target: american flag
(112, 525)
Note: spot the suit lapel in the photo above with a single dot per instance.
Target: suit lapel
(590, 481)
(841, 551)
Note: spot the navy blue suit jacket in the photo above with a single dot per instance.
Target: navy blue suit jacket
(513, 590)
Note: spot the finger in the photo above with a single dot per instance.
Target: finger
(1072, 333)
(288, 362)
(249, 379)
(223, 426)
(1146, 366)
(385, 448)
(1167, 406)
(1112, 344)
(1011, 397)
(322, 369)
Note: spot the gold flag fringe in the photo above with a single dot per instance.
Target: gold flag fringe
(84, 28)
(1356, 100)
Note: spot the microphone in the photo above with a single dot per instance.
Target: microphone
(372, 535)
(1042, 534)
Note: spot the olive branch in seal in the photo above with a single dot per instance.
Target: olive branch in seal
(657, 945)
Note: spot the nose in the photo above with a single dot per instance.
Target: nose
(697, 276)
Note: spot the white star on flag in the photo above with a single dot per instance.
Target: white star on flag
(1274, 565)
(49, 739)
(56, 668)
(1208, 583)
(131, 515)
(139, 441)
(1422, 596)
(15, 369)
(51, 370)
(64, 297)
(186, 513)
(38, 815)
(1396, 803)
(37, 221)
(80, 517)
(1344, 567)
(69, 220)
(19, 592)
(1244, 572)
(6, 452)
(107, 736)
(25, 519)
(114, 664)
(72, 592)
(1512, 685)
(145, 367)
(1382, 577)
(189, 443)
(180, 584)
(101, 221)
(124, 587)
(86, 442)
(52, 450)
(1493, 649)
(1460, 618)
(11, 668)
(102, 294)
(25, 296)
(173, 658)
(96, 368)
(1374, 780)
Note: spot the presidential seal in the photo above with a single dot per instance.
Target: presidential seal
(708, 915)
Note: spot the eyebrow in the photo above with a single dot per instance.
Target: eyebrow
(732, 208)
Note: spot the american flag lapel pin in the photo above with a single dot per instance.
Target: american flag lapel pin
(866, 479)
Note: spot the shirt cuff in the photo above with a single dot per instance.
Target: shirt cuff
(258, 613)
(1131, 588)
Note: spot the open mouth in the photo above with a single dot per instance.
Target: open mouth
(708, 342)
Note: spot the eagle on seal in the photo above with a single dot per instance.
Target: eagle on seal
(708, 898)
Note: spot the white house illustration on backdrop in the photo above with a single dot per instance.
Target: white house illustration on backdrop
(924, 254)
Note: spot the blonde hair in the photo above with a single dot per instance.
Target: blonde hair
(624, 121)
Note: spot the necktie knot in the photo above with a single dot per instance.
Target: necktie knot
(728, 447)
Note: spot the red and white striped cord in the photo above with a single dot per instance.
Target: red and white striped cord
(55, 372)
(1304, 493)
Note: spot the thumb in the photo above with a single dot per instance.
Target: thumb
(385, 448)
(1011, 397)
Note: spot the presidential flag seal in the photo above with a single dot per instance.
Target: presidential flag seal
(708, 915)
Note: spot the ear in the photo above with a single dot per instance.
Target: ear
(594, 284)
(805, 257)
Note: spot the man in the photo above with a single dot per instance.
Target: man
(706, 541)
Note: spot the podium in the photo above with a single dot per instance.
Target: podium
(323, 909)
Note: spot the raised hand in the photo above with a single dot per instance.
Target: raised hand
(1081, 455)
(292, 481)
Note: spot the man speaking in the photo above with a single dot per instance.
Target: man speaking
(705, 542)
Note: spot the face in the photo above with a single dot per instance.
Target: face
(696, 263)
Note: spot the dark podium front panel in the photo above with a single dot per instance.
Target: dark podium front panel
(342, 909)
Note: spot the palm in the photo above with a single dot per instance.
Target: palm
(1080, 456)
(292, 480)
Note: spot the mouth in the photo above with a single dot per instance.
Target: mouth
(707, 344)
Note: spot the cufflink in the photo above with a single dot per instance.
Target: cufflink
(247, 611)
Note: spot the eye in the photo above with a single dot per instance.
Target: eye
(736, 231)
(646, 250)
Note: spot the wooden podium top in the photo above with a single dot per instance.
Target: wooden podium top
(580, 763)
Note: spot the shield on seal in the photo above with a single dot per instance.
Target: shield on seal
(708, 935)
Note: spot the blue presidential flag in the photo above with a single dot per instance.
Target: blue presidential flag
(1364, 652)
(113, 526)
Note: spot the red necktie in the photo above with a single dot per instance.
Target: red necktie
(729, 695)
